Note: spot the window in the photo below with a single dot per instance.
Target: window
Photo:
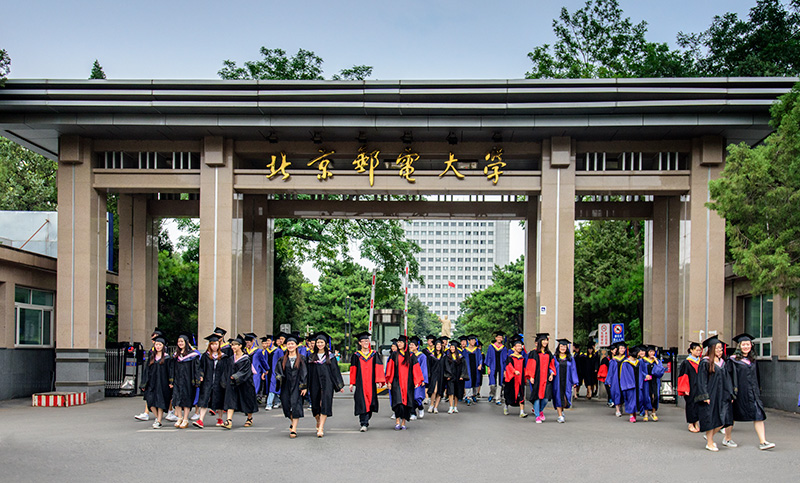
(758, 322)
(33, 316)
(794, 326)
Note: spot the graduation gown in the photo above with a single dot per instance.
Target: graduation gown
(240, 392)
(156, 378)
(613, 379)
(473, 358)
(404, 374)
(687, 387)
(655, 369)
(274, 355)
(185, 379)
(513, 383)
(580, 365)
(747, 406)
(455, 373)
(261, 365)
(419, 391)
(495, 360)
(716, 387)
(324, 379)
(566, 377)
(366, 372)
(212, 393)
(632, 384)
(592, 366)
(292, 379)
(436, 382)
(540, 366)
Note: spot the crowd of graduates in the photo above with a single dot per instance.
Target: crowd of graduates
(291, 373)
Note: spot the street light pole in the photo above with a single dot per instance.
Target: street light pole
(349, 326)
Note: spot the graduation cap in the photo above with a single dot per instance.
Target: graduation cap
(711, 341)
(430, 337)
(415, 340)
(394, 341)
(237, 340)
(322, 336)
(363, 336)
(516, 340)
(743, 337)
(462, 338)
(213, 337)
(565, 342)
(590, 345)
(220, 331)
(472, 336)
(250, 336)
(282, 334)
(498, 333)
(638, 348)
(542, 336)
(454, 343)
(403, 339)
(296, 336)
(156, 333)
(291, 337)
(264, 339)
(160, 338)
(693, 345)
(651, 347)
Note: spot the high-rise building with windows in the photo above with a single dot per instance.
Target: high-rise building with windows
(457, 258)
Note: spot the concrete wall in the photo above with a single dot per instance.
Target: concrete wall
(26, 371)
(780, 383)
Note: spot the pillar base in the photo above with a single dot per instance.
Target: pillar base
(82, 370)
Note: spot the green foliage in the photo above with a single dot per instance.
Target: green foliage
(758, 194)
(275, 65)
(609, 277)
(5, 66)
(357, 72)
(27, 179)
(500, 306)
(97, 71)
(767, 44)
(597, 42)
(178, 283)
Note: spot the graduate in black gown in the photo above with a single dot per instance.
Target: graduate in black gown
(186, 379)
(747, 386)
(714, 391)
(145, 416)
(514, 378)
(156, 380)
(403, 376)
(213, 369)
(592, 366)
(292, 374)
(366, 374)
(240, 392)
(687, 385)
(436, 382)
(455, 373)
(324, 379)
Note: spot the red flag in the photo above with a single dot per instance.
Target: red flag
(451, 284)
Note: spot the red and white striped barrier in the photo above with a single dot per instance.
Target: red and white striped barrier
(59, 399)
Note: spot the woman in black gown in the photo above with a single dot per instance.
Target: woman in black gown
(455, 373)
(213, 368)
(292, 374)
(156, 380)
(687, 385)
(436, 382)
(714, 392)
(240, 391)
(746, 385)
(185, 380)
(324, 379)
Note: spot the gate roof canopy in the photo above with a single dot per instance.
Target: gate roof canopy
(35, 113)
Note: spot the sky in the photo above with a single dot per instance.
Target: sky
(412, 39)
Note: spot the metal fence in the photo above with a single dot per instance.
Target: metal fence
(115, 369)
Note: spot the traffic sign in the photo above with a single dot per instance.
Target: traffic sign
(617, 333)
(603, 335)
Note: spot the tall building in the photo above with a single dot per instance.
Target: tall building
(457, 258)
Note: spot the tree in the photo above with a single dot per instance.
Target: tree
(5, 66)
(276, 65)
(768, 44)
(357, 72)
(500, 306)
(758, 194)
(597, 42)
(609, 277)
(27, 179)
(97, 71)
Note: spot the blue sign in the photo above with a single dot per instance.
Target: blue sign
(617, 333)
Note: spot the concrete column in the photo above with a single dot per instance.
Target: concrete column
(219, 234)
(255, 294)
(780, 327)
(531, 303)
(134, 269)
(151, 276)
(702, 248)
(557, 235)
(81, 280)
(662, 254)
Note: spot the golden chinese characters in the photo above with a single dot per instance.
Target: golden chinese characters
(450, 164)
(366, 160)
(323, 164)
(405, 162)
(495, 158)
(281, 169)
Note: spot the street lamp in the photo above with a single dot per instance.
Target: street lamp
(349, 326)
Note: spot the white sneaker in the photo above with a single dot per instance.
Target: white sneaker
(157, 425)
(268, 408)
(561, 419)
(729, 443)
(450, 411)
(619, 414)
(421, 413)
(363, 429)
(142, 417)
(195, 417)
(435, 410)
(171, 416)
(413, 417)
(392, 416)
(505, 410)
(455, 410)
(430, 409)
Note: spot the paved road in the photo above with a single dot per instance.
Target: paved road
(102, 442)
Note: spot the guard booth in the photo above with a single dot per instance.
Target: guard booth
(387, 326)
(669, 383)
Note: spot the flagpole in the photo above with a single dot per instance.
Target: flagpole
(405, 304)
(372, 301)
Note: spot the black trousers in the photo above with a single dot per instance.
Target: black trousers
(402, 411)
(363, 419)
